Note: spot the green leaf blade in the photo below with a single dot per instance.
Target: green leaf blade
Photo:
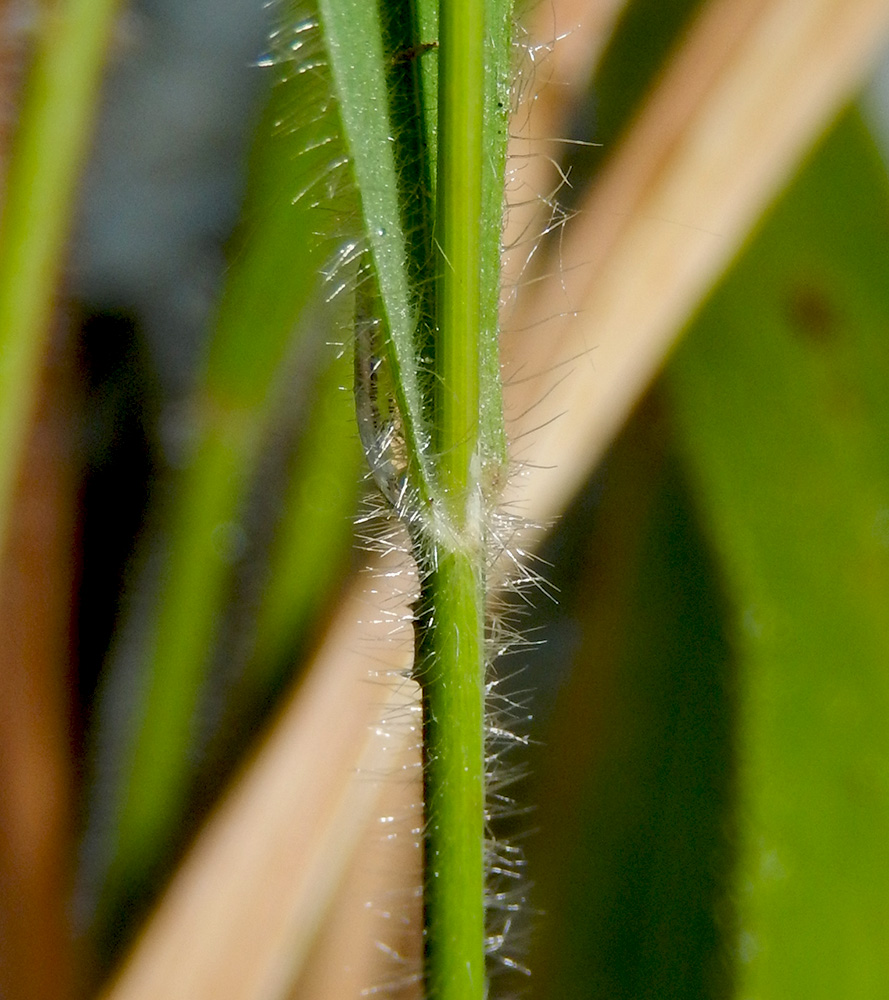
(777, 393)
(358, 67)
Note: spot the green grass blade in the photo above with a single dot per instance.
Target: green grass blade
(426, 40)
(359, 67)
(48, 150)
(782, 393)
(633, 776)
(313, 539)
(285, 240)
(497, 106)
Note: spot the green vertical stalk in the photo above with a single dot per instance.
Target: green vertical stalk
(458, 214)
(51, 141)
(451, 651)
(450, 669)
(434, 385)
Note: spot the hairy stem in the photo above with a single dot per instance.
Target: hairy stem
(429, 397)
(451, 652)
(450, 669)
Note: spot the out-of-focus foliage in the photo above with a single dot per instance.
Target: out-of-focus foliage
(711, 774)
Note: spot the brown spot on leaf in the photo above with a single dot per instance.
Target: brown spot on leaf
(812, 313)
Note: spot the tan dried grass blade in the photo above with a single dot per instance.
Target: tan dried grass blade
(240, 916)
(755, 82)
(565, 42)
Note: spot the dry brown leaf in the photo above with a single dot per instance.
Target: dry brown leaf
(241, 915)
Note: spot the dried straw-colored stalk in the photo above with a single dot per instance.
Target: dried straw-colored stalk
(754, 84)
(240, 917)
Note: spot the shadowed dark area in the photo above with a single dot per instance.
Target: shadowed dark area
(634, 777)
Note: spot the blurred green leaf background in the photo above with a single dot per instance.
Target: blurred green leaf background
(709, 772)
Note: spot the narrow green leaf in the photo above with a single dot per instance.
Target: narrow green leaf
(313, 539)
(359, 66)
(427, 42)
(297, 165)
(498, 98)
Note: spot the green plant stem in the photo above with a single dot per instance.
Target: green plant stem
(458, 214)
(50, 144)
(445, 387)
(451, 652)
(451, 659)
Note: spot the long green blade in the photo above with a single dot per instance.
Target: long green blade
(782, 393)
